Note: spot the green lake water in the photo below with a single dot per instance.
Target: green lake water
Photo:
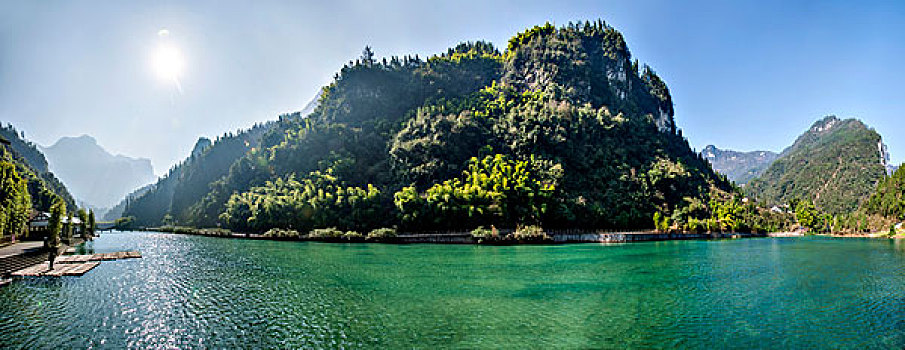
(190, 292)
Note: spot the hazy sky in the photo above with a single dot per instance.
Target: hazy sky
(744, 75)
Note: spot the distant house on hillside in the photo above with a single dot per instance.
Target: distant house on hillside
(777, 209)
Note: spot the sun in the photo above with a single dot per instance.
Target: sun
(168, 63)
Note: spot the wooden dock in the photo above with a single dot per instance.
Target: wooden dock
(43, 269)
(77, 259)
(73, 265)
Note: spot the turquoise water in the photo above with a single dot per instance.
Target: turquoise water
(191, 291)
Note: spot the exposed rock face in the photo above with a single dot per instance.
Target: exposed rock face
(739, 167)
(93, 175)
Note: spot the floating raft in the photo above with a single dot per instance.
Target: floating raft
(78, 259)
(73, 265)
(43, 269)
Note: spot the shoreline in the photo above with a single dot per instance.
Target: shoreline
(465, 237)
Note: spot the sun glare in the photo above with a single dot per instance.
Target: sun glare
(168, 63)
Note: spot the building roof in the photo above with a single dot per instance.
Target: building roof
(43, 218)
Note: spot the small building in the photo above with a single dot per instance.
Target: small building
(777, 209)
(39, 221)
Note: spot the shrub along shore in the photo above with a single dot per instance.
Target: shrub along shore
(480, 235)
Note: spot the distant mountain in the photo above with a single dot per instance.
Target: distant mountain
(31, 164)
(836, 163)
(117, 211)
(95, 176)
(739, 167)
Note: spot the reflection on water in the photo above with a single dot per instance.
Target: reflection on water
(192, 291)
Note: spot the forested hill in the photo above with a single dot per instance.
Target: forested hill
(29, 163)
(889, 198)
(836, 164)
(563, 128)
(739, 167)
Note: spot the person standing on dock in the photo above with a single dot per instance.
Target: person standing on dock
(51, 256)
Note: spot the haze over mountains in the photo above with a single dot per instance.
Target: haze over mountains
(96, 178)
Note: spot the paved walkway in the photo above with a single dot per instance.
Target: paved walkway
(20, 248)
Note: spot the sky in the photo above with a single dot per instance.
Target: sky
(744, 75)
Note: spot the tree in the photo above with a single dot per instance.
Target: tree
(808, 216)
(67, 228)
(168, 220)
(83, 218)
(15, 201)
(367, 56)
(55, 224)
(124, 223)
(92, 225)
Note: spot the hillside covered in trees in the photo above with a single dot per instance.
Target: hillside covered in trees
(25, 183)
(836, 165)
(562, 129)
(30, 163)
(889, 198)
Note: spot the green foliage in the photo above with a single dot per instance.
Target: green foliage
(382, 234)
(536, 32)
(889, 198)
(282, 234)
(125, 223)
(55, 223)
(481, 233)
(809, 217)
(661, 222)
(318, 200)
(353, 236)
(326, 234)
(15, 201)
(495, 190)
(531, 234)
(83, 218)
